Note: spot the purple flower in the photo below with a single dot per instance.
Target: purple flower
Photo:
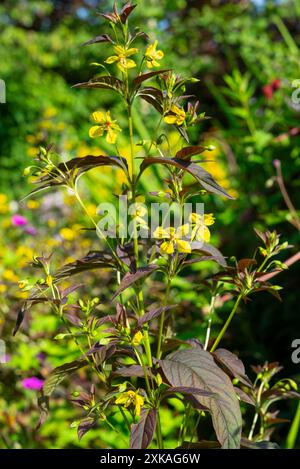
(30, 230)
(33, 383)
(276, 163)
(18, 220)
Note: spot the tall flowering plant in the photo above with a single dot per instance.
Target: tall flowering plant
(137, 364)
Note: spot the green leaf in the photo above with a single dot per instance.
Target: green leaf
(196, 368)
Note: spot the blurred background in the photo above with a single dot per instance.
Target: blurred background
(247, 58)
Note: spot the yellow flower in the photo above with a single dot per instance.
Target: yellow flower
(105, 124)
(10, 276)
(200, 232)
(122, 58)
(3, 203)
(67, 234)
(50, 112)
(131, 398)
(138, 211)
(152, 55)
(137, 339)
(49, 280)
(175, 115)
(174, 237)
(33, 204)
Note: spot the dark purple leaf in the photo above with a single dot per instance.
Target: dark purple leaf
(97, 39)
(189, 390)
(187, 152)
(155, 313)
(107, 82)
(132, 370)
(244, 264)
(84, 426)
(233, 364)
(201, 175)
(247, 398)
(142, 432)
(207, 248)
(153, 96)
(146, 76)
(93, 260)
(103, 352)
(110, 17)
(200, 445)
(59, 374)
(126, 254)
(125, 12)
(247, 444)
(131, 278)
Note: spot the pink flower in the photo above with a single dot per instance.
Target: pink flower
(33, 383)
(18, 220)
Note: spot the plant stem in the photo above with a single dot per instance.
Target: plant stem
(141, 363)
(294, 430)
(162, 322)
(260, 390)
(125, 418)
(81, 203)
(195, 428)
(211, 311)
(280, 181)
(160, 442)
(224, 328)
(135, 237)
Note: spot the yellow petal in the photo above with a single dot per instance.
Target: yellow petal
(121, 399)
(167, 247)
(161, 233)
(130, 63)
(137, 339)
(209, 219)
(170, 119)
(111, 59)
(183, 230)
(183, 246)
(195, 218)
(202, 233)
(131, 51)
(116, 126)
(95, 131)
(159, 54)
(119, 50)
(138, 403)
(111, 136)
(98, 117)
